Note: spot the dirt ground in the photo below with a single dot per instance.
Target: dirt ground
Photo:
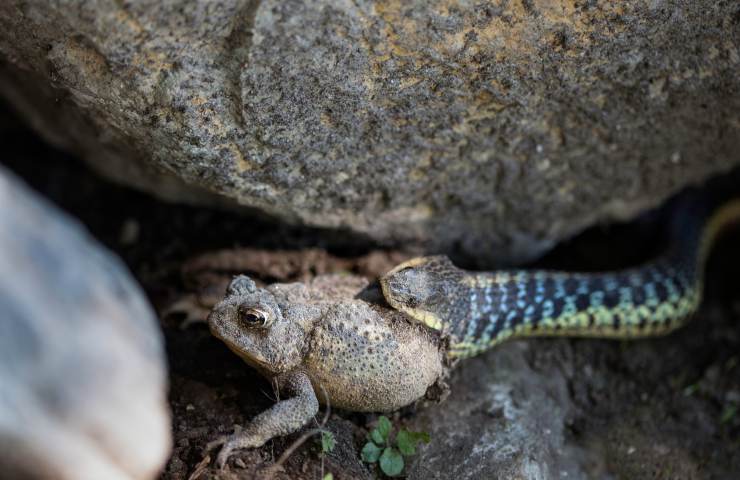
(664, 408)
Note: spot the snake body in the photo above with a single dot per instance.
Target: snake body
(479, 310)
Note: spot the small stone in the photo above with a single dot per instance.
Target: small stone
(130, 231)
(661, 449)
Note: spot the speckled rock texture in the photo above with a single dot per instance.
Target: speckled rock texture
(492, 129)
(82, 371)
(506, 418)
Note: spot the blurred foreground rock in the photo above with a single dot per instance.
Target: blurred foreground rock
(490, 128)
(82, 370)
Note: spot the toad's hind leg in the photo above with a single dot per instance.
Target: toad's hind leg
(285, 417)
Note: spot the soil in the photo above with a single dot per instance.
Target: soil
(663, 408)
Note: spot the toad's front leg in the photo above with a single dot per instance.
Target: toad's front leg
(283, 418)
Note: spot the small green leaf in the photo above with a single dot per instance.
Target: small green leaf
(728, 414)
(391, 462)
(732, 363)
(327, 442)
(376, 436)
(407, 441)
(406, 445)
(370, 453)
(421, 437)
(690, 389)
(384, 427)
(328, 476)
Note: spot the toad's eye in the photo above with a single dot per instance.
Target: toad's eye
(254, 317)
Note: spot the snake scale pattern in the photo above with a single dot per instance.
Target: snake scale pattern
(479, 310)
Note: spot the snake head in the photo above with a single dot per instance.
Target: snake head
(424, 289)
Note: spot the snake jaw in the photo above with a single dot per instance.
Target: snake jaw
(409, 288)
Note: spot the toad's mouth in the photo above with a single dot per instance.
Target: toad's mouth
(250, 358)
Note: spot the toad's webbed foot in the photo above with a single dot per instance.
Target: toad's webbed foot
(283, 418)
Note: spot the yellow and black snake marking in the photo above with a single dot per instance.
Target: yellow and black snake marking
(481, 309)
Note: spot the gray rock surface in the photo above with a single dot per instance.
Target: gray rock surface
(564, 409)
(83, 389)
(504, 419)
(490, 128)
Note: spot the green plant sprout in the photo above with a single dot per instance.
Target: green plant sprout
(327, 445)
(387, 451)
(729, 413)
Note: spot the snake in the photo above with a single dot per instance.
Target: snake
(479, 310)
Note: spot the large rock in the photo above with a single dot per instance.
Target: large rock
(83, 389)
(493, 128)
(503, 419)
